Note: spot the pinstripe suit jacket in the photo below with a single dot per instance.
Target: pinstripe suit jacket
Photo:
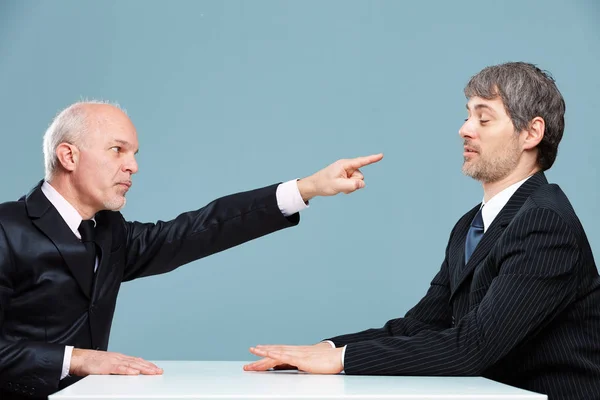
(524, 310)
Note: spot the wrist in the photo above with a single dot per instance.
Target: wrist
(307, 188)
(325, 345)
(75, 361)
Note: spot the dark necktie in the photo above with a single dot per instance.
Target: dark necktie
(86, 229)
(474, 235)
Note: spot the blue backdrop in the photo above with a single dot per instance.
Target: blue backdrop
(231, 95)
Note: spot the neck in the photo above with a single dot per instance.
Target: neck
(65, 187)
(490, 189)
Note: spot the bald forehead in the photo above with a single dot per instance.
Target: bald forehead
(103, 112)
(102, 117)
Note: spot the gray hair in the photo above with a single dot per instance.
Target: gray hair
(69, 126)
(527, 92)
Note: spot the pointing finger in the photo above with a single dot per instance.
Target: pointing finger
(360, 162)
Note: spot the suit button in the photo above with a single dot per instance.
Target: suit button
(98, 348)
(453, 321)
(9, 385)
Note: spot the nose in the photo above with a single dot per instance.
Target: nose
(131, 165)
(467, 130)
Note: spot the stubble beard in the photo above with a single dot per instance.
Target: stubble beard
(493, 168)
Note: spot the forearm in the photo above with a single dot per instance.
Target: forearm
(224, 223)
(396, 327)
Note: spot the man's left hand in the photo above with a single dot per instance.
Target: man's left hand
(316, 360)
(343, 176)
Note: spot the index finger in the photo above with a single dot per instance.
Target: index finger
(360, 162)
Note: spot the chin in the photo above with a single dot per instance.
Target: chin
(115, 204)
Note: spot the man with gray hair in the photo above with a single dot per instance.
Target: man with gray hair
(65, 248)
(517, 297)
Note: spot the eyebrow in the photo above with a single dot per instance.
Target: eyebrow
(125, 144)
(480, 106)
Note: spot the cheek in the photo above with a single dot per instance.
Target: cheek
(106, 165)
(103, 173)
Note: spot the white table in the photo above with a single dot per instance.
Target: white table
(212, 380)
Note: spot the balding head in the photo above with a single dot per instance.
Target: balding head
(74, 124)
(89, 152)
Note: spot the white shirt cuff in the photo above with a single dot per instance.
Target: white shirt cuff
(289, 199)
(66, 362)
(343, 350)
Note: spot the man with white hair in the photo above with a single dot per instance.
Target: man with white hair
(65, 248)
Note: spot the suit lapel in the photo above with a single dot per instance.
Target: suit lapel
(494, 232)
(47, 219)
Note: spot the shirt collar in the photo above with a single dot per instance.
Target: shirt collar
(64, 208)
(494, 205)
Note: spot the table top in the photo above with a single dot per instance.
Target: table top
(212, 380)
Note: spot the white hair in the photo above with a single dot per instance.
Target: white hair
(69, 126)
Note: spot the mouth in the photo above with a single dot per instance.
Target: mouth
(125, 184)
(469, 151)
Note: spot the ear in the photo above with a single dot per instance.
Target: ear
(534, 134)
(68, 156)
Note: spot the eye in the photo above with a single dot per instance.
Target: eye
(116, 149)
(483, 121)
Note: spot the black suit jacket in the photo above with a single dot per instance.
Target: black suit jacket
(43, 304)
(524, 310)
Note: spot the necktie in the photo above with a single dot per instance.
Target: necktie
(86, 229)
(474, 235)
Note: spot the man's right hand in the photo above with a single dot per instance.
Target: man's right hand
(91, 362)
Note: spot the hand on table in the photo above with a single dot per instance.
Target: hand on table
(92, 362)
(318, 359)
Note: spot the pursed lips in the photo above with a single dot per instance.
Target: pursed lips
(126, 184)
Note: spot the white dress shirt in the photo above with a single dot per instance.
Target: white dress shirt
(496, 204)
(289, 202)
(488, 214)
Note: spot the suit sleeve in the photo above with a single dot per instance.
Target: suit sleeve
(26, 367)
(224, 223)
(433, 312)
(537, 261)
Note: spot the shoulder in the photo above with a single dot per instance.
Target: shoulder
(552, 198)
(12, 211)
(550, 205)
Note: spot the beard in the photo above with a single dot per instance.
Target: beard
(116, 202)
(493, 167)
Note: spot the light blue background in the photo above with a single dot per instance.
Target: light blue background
(232, 95)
